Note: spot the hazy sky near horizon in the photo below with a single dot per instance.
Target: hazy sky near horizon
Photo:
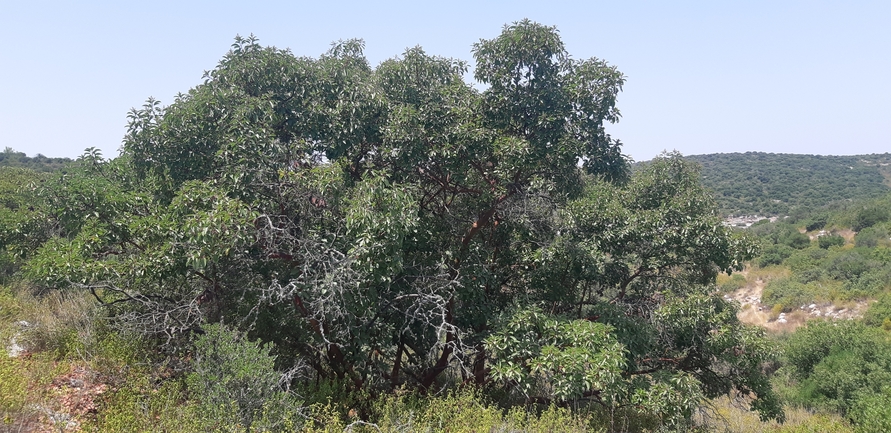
(702, 76)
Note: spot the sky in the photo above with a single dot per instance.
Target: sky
(702, 76)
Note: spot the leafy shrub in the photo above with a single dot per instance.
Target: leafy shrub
(774, 255)
(808, 275)
(878, 311)
(849, 265)
(836, 363)
(828, 241)
(869, 216)
(806, 259)
(872, 412)
(881, 254)
(790, 293)
(871, 237)
(797, 240)
(469, 411)
(235, 379)
(816, 222)
(869, 283)
(536, 354)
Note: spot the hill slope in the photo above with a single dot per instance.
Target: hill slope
(778, 184)
(11, 158)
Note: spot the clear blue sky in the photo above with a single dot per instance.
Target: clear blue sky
(703, 77)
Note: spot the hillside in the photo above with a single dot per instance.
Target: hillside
(779, 184)
(12, 158)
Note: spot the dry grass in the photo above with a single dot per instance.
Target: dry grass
(59, 322)
(768, 273)
(726, 416)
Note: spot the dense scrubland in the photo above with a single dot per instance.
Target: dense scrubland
(757, 183)
(302, 244)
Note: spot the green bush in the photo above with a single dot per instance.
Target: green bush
(872, 412)
(236, 382)
(881, 254)
(836, 363)
(791, 293)
(774, 255)
(797, 240)
(470, 412)
(828, 241)
(869, 283)
(871, 215)
(871, 237)
(878, 311)
(733, 283)
(849, 265)
(816, 222)
(807, 258)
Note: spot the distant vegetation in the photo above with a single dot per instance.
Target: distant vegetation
(781, 184)
(10, 158)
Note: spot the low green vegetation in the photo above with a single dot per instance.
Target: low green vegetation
(842, 367)
(831, 267)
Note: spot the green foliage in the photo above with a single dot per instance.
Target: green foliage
(872, 237)
(849, 265)
(816, 222)
(565, 360)
(879, 311)
(731, 284)
(236, 382)
(837, 364)
(870, 215)
(797, 240)
(790, 293)
(470, 412)
(781, 184)
(872, 412)
(139, 407)
(375, 224)
(830, 240)
(810, 258)
(774, 255)
(19, 218)
(820, 275)
(40, 163)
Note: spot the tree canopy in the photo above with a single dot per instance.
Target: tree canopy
(395, 227)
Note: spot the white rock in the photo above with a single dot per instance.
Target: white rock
(14, 349)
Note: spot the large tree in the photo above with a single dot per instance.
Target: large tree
(396, 227)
